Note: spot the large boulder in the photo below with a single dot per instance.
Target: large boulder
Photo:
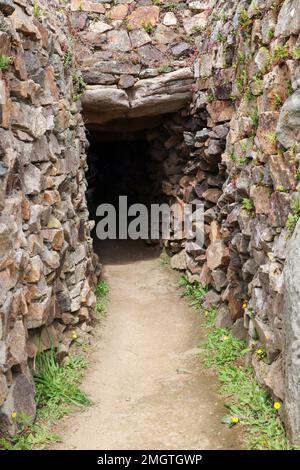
(291, 329)
(288, 127)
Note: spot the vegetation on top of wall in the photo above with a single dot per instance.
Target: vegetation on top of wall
(247, 402)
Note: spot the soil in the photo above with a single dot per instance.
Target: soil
(149, 387)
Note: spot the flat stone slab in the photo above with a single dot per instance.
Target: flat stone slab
(150, 97)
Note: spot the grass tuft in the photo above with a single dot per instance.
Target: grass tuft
(57, 392)
(248, 403)
(102, 291)
(247, 400)
(194, 291)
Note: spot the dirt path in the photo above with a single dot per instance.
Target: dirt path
(148, 386)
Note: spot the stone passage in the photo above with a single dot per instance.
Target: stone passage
(47, 266)
(210, 90)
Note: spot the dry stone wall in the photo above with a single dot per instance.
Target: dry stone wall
(244, 166)
(229, 70)
(47, 266)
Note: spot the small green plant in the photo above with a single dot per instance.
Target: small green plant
(261, 353)
(197, 29)
(248, 404)
(170, 6)
(293, 216)
(242, 161)
(248, 95)
(37, 10)
(280, 53)
(243, 58)
(254, 117)
(289, 87)
(157, 2)
(102, 291)
(271, 34)
(148, 27)
(281, 188)
(245, 21)
(296, 53)
(79, 87)
(57, 392)
(277, 101)
(259, 84)
(242, 80)
(57, 386)
(210, 316)
(68, 59)
(164, 69)
(247, 204)
(220, 37)
(272, 137)
(5, 62)
(194, 291)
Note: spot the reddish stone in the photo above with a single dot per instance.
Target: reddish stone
(266, 132)
(220, 111)
(5, 105)
(119, 12)
(92, 7)
(50, 83)
(261, 199)
(217, 255)
(142, 16)
(283, 171)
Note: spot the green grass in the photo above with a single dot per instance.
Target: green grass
(57, 393)
(195, 292)
(57, 385)
(247, 400)
(293, 216)
(5, 62)
(247, 204)
(102, 291)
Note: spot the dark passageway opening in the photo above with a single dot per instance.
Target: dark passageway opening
(131, 167)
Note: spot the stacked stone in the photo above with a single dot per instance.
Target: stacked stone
(47, 267)
(122, 42)
(249, 69)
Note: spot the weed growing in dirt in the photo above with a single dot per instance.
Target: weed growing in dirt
(57, 392)
(195, 292)
(248, 403)
(102, 291)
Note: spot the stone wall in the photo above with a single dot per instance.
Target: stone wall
(47, 267)
(234, 148)
(244, 166)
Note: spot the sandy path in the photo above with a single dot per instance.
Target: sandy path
(149, 388)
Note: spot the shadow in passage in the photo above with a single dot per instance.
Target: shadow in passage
(119, 252)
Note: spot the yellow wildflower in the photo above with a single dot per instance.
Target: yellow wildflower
(245, 305)
(14, 414)
(74, 335)
(234, 419)
(277, 405)
(225, 338)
